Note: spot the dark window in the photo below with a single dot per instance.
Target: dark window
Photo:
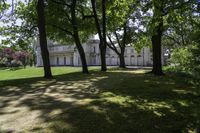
(72, 62)
(79, 62)
(126, 51)
(64, 60)
(57, 60)
(132, 51)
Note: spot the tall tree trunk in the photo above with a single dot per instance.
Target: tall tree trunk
(156, 38)
(122, 61)
(103, 57)
(77, 39)
(123, 46)
(121, 58)
(103, 45)
(43, 40)
(156, 46)
(102, 38)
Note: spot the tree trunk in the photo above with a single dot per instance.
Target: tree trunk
(103, 56)
(102, 38)
(103, 45)
(77, 39)
(156, 46)
(156, 38)
(43, 40)
(121, 58)
(123, 46)
(81, 53)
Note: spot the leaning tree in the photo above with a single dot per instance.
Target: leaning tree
(43, 39)
(100, 24)
(67, 24)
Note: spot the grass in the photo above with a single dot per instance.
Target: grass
(30, 72)
(118, 101)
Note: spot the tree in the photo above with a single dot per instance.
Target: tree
(161, 11)
(76, 37)
(120, 30)
(68, 23)
(101, 30)
(43, 40)
(121, 43)
(157, 32)
(182, 38)
(21, 35)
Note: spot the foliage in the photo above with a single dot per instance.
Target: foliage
(19, 28)
(61, 29)
(196, 60)
(181, 58)
(143, 41)
(186, 59)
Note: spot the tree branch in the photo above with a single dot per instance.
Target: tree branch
(173, 39)
(87, 16)
(118, 41)
(83, 15)
(124, 36)
(62, 29)
(111, 45)
(61, 3)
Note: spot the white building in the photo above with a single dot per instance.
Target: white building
(67, 55)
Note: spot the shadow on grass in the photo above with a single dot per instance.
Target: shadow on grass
(112, 102)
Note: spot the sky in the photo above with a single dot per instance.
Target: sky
(8, 12)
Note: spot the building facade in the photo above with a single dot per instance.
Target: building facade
(67, 55)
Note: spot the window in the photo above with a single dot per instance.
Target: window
(94, 50)
(132, 51)
(64, 60)
(94, 60)
(71, 61)
(107, 51)
(57, 60)
(126, 51)
(79, 61)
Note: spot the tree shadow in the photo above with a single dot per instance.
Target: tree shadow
(116, 101)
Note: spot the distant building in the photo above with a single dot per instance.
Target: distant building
(67, 55)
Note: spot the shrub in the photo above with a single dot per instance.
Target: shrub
(15, 63)
(10, 58)
(186, 59)
(181, 59)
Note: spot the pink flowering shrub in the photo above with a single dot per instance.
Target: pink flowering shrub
(8, 51)
(21, 56)
(11, 58)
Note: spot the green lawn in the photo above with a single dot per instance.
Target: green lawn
(118, 101)
(8, 74)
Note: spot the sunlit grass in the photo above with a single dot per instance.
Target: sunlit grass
(29, 72)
